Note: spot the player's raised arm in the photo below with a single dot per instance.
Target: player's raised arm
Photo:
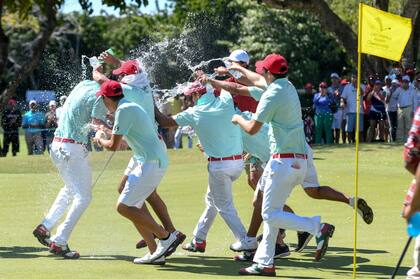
(231, 87)
(249, 77)
(164, 120)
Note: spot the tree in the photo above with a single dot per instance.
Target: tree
(332, 22)
(311, 53)
(46, 13)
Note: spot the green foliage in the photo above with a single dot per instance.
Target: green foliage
(312, 54)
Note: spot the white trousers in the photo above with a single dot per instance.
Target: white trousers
(277, 182)
(73, 166)
(219, 199)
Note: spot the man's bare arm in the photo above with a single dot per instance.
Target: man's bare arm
(163, 120)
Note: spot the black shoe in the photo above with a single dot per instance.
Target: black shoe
(43, 235)
(365, 211)
(303, 240)
(281, 251)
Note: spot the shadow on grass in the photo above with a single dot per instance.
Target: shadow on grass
(21, 252)
(107, 258)
(337, 261)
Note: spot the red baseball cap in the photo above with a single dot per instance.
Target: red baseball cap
(110, 88)
(129, 67)
(12, 102)
(195, 87)
(274, 63)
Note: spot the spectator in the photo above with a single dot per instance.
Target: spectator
(416, 87)
(33, 123)
(349, 98)
(51, 123)
(406, 103)
(11, 121)
(323, 114)
(307, 103)
(391, 102)
(181, 131)
(377, 116)
(335, 91)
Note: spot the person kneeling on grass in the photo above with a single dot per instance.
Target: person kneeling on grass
(144, 179)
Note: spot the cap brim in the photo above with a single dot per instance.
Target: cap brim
(259, 67)
(118, 71)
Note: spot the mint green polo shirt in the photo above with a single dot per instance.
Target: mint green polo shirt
(279, 106)
(133, 122)
(80, 107)
(257, 145)
(211, 119)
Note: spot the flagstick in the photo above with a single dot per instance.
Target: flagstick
(356, 176)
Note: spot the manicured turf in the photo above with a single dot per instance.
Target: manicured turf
(106, 241)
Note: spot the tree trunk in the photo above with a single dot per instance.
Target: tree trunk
(4, 43)
(48, 24)
(330, 21)
(411, 10)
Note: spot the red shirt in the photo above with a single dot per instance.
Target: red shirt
(244, 103)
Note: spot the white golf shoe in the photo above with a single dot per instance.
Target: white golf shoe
(247, 244)
(146, 259)
(167, 246)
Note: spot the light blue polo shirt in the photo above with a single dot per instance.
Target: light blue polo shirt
(80, 107)
(280, 107)
(211, 120)
(143, 98)
(257, 145)
(36, 118)
(135, 125)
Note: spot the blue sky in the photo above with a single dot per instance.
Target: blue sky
(73, 5)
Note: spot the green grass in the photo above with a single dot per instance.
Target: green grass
(106, 241)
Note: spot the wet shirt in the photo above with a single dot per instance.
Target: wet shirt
(280, 107)
(258, 144)
(80, 107)
(140, 134)
(211, 119)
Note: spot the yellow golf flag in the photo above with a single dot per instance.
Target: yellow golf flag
(383, 34)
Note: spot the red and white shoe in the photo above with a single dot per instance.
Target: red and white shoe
(256, 269)
(43, 235)
(64, 251)
(195, 246)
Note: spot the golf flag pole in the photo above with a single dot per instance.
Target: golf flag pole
(356, 174)
(385, 35)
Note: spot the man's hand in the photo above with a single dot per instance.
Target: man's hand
(235, 66)
(203, 79)
(235, 119)
(98, 136)
(109, 59)
(221, 71)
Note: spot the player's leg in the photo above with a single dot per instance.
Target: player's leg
(142, 181)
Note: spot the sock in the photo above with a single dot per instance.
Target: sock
(351, 202)
(165, 238)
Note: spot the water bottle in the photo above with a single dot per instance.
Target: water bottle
(94, 61)
(235, 74)
(413, 228)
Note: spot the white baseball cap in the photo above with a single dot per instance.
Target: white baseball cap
(395, 81)
(63, 98)
(406, 78)
(32, 102)
(334, 75)
(239, 55)
(52, 103)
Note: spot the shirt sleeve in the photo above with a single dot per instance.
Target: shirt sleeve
(255, 92)
(185, 117)
(122, 123)
(225, 97)
(266, 108)
(99, 110)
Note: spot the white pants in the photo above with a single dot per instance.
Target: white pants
(277, 182)
(141, 182)
(73, 166)
(311, 176)
(219, 199)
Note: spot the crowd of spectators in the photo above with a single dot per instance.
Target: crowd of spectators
(387, 106)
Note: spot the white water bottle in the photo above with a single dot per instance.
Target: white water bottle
(235, 74)
(94, 62)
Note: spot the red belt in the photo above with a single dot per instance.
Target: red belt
(235, 157)
(289, 155)
(66, 140)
